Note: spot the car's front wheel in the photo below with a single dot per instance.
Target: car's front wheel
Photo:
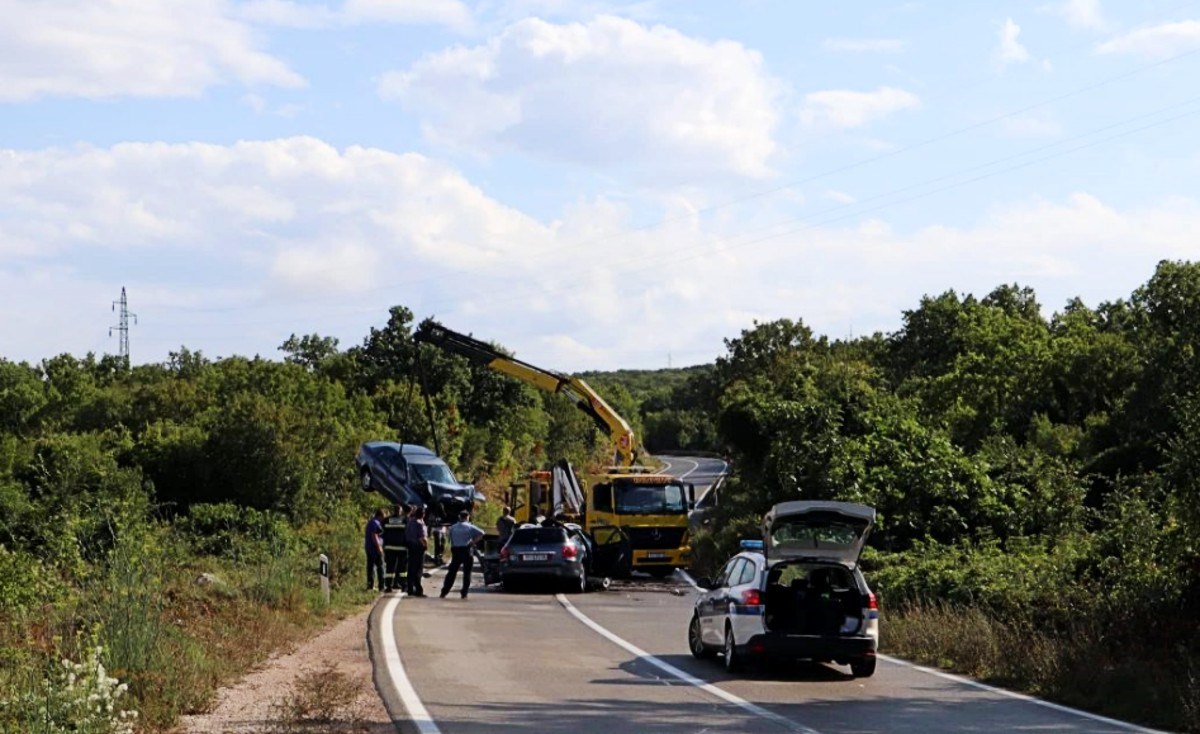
(696, 644)
(733, 661)
(365, 479)
(863, 668)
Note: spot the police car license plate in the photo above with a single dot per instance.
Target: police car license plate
(535, 556)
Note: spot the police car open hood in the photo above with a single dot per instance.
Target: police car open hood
(817, 530)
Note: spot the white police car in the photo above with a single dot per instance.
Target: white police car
(796, 594)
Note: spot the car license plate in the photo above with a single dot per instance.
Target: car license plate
(656, 556)
(535, 556)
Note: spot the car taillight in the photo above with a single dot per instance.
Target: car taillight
(751, 598)
(504, 553)
(569, 552)
(871, 602)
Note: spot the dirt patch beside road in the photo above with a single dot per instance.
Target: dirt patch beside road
(264, 701)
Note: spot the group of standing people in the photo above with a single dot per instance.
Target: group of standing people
(401, 541)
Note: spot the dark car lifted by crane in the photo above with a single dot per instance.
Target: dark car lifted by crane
(411, 474)
(648, 510)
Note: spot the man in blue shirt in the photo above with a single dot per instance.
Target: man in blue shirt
(463, 537)
(373, 544)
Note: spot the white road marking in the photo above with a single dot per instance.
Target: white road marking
(417, 713)
(688, 678)
(688, 578)
(1020, 696)
(695, 466)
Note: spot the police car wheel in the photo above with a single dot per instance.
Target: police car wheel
(733, 661)
(864, 668)
(696, 641)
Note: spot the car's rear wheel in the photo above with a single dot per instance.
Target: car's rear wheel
(696, 641)
(863, 668)
(580, 585)
(733, 661)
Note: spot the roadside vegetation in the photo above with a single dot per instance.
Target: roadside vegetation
(1036, 482)
(160, 525)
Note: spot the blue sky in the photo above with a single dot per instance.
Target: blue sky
(595, 185)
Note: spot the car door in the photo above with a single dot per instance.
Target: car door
(722, 599)
(381, 469)
(706, 607)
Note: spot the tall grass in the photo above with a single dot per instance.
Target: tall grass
(1079, 665)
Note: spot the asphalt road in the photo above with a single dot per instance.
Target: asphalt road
(618, 661)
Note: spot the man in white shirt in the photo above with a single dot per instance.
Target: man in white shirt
(463, 537)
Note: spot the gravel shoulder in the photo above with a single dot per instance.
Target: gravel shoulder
(255, 703)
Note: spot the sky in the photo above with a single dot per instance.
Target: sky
(594, 185)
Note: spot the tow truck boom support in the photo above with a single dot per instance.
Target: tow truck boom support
(584, 397)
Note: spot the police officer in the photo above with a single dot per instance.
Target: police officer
(416, 537)
(395, 551)
(463, 537)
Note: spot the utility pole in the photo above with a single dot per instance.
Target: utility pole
(122, 326)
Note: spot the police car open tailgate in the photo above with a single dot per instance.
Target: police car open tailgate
(817, 530)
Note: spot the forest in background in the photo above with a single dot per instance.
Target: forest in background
(1036, 481)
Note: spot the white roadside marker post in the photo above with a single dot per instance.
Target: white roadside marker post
(323, 570)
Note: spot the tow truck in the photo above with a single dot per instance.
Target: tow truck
(646, 509)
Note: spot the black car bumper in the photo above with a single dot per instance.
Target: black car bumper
(783, 646)
(523, 572)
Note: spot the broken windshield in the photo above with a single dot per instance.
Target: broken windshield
(439, 473)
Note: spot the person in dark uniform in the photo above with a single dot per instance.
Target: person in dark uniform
(416, 539)
(395, 552)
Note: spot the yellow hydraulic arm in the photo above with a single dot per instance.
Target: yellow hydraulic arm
(584, 397)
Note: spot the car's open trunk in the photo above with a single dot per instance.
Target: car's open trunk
(812, 598)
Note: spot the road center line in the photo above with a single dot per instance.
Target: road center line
(688, 678)
(403, 687)
(1020, 696)
(695, 466)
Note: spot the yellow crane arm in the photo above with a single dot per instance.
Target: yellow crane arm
(584, 397)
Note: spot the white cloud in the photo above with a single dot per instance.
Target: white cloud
(114, 48)
(1159, 41)
(841, 108)
(1010, 50)
(887, 45)
(1084, 14)
(231, 248)
(608, 93)
(293, 14)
